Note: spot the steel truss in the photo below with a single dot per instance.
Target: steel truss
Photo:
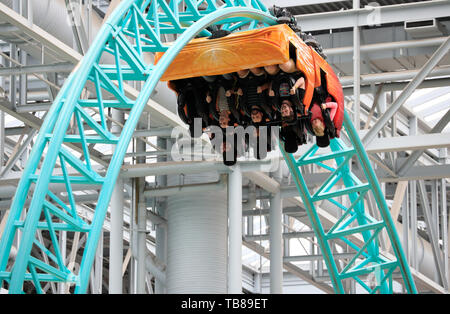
(355, 220)
(135, 28)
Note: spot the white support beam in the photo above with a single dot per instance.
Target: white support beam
(406, 143)
(276, 244)
(386, 77)
(117, 205)
(403, 44)
(438, 128)
(290, 267)
(67, 54)
(57, 47)
(235, 231)
(409, 89)
(387, 14)
(356, 70)
(32, 69)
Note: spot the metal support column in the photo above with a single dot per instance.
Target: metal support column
(116, 232)
(431, 230)
(444, 222)
(161, 230)
(356, 69)
(2, 139)
(141, 224)
(98, 268)
(116, 239)
(413, 201)
(276, 244)
(235, 231)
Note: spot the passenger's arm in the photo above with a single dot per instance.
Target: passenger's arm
(300, 83)
(333, 108)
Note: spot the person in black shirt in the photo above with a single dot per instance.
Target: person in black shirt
(292, 129)
(191, 101)
(286, 82)
(220, 96)
(261, 140)
(251, 88)
(286, 92)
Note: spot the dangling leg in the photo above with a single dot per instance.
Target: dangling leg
(318, 127)
(229, 152)
(290, 139)
(301, 96)
(231, 101)
(210, 101)
(331, 130)
(201, 107)
(301, 132)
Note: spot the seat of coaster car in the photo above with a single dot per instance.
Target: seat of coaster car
(252, 49)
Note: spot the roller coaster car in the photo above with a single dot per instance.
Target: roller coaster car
(258, 48)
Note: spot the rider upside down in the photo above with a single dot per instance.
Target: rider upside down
(261, 98)
(258, 99)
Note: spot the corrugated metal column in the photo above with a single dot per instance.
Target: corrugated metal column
(235, 231)
(116, 232)
(196, 238)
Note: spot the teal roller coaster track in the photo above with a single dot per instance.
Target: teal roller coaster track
(137, 27)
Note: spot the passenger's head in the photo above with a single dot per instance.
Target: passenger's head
(272, 69)
(286, 109)
(257, 71)
(289, 66)
(224, 119)
(318, 127)
(256, 115)
(243, 73)
(228, 76)
(210, 79)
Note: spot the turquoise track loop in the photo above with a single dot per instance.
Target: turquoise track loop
(135, 28)
(355, 227)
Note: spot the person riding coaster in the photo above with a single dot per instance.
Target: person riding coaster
(286, 82)
(220, 96)
(287, 90)
(251, 88)
(232, 146)
(261, 134)
(321, 121)
(292, 128)
(190, 100)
